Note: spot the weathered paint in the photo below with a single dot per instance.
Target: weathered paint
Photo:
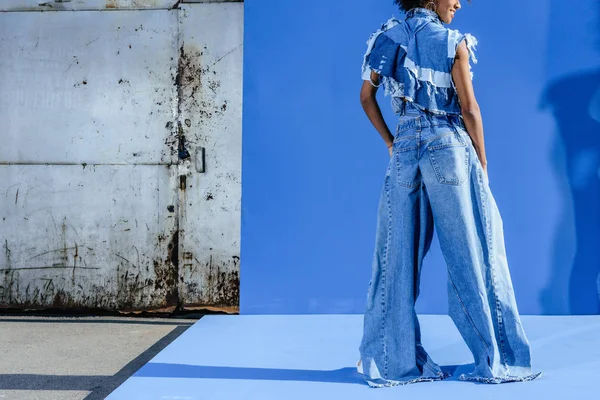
(104, 206)
(93, 5)
(210, 71)
(100, 86)
(87, 237)
(79, 5)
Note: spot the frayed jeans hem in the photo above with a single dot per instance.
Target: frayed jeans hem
(500, 379)
(380, 382)
(376, 383)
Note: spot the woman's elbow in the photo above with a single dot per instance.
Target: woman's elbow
(471, 109)
(366, 97)
(367, 92)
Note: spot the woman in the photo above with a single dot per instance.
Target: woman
(437, 175)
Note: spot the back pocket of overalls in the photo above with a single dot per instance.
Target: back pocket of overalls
(449, 158)
(406, 166)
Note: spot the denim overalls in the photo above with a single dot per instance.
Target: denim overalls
(434, 178)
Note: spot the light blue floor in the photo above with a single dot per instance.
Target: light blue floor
(313, 357)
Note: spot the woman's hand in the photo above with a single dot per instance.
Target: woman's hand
(482, 159)
(391, 149)
(483, 166)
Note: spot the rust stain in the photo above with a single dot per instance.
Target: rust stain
(167, 272)
(8, 278)
(57, 298)
(74, 264)
(7, 255)
(193, 79)
(196, 85)
(157, 310)
(182, 152)
(199, 307)
(63, 300)
(222, 288)
(130, 290)
(227, 288)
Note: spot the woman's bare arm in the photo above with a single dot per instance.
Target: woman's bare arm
(371, 108)
(469, 108)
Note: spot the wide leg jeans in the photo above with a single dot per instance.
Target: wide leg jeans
(434, 179)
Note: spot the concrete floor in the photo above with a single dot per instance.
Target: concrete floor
(299, 357)
(265, 357)
(72, 358)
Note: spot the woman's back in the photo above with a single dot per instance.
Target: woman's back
(414, 60)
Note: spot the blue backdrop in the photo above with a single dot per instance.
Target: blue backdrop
(313, 166)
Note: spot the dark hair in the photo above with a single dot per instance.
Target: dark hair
(406, 5)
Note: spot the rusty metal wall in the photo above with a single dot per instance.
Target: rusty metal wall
(105, 119)
(79, 5)
(211, 116)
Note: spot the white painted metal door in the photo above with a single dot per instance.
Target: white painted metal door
(211, 117)
(103, 117)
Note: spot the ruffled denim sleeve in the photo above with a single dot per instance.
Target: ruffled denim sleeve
(454, 40)
(384, 55)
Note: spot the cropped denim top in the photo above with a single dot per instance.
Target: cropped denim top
(414, 59)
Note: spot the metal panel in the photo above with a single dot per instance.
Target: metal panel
(68, 5)
(210, 72)
(109, 5)
(101, 233)
(100, 86)
(121, 158)
(93, 237)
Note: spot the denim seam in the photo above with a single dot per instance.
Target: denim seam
(445, 145)
(407, 184)
(467, 313)
(404, 137)
(492, 265)
(404, 149)
(406, 125)
(441, 135)
(426, 363)
(419, 128)
(383, 277)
